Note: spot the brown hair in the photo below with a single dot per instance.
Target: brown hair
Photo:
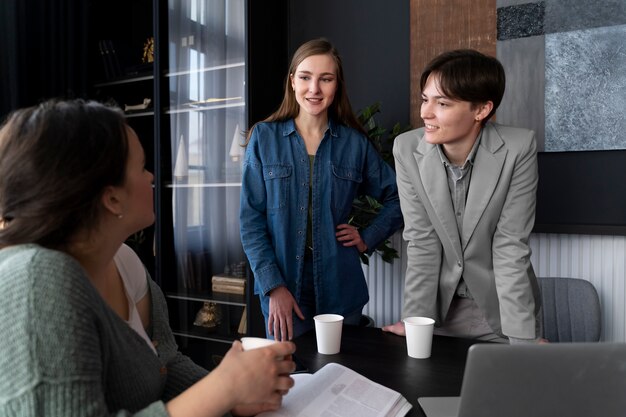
(468, 75)
(340, 110)
(55, 160)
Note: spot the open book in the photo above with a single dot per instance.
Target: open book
(337, 391)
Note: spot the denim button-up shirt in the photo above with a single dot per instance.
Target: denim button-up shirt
(275, 202)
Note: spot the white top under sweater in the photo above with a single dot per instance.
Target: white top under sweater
(134, 277)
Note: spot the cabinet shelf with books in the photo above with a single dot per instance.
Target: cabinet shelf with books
(208, 97)
(202, 62)
(121, 39)
(192, 131)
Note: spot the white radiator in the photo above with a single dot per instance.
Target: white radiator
(598, 259)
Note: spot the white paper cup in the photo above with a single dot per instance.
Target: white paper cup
(328, 333)
(255, 342)
(250, 343)
(419, 336)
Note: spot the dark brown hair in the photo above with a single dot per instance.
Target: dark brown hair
(340, 110)
(468, 75)
(55, 161)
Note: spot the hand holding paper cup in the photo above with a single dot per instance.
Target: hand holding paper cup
(249, 343)
(328, 333)
(419, 336)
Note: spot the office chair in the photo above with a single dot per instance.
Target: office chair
(571, 310)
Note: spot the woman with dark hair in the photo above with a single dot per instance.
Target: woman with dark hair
(85, 329)
(303, 167)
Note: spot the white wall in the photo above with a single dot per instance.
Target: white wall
(598, 259)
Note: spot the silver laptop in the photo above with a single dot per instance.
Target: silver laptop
(550, 380)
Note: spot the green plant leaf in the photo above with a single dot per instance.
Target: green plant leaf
(365, 208)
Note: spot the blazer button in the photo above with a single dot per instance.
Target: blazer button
(458, 263)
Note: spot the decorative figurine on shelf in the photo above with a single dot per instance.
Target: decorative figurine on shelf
(208, 316)
(142, 106)
(148, 51)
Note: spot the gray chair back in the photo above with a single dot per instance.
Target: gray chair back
(571, 310)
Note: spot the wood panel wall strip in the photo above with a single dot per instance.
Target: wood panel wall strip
(440, 25)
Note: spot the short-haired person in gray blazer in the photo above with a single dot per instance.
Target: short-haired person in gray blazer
(467, 191)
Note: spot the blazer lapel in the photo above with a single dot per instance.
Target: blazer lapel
(435, 181)
(485, 176)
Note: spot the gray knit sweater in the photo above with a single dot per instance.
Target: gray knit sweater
(64, 352)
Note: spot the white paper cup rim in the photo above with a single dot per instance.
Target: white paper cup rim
(328, 318)
(255, 342)
(418, 321)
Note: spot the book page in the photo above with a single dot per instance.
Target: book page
(337, 391)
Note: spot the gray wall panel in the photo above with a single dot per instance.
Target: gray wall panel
(523, 102)
(566, 15)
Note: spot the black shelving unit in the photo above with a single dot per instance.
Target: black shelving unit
(218, 68)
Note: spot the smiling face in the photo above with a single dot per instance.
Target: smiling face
(314, 83)
(450, 122)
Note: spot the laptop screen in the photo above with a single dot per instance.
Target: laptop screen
(559, 379)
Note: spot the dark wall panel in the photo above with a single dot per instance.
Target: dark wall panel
(581, 193)
(372, 37)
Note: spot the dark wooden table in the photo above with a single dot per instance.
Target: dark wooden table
(382, 358)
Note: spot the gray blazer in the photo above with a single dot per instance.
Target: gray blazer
(492, 253)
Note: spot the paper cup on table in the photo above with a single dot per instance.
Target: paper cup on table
(419, 336)
(328, 333)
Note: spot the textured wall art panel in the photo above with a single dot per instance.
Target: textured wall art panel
(520, 21)
(585, 92)
(523, 102)
(566, 15)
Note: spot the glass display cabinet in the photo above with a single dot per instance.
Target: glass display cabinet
(203, 121)
(197, 85)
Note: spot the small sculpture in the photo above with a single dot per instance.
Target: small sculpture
(144, 105)
(148, 51)
(208, 316)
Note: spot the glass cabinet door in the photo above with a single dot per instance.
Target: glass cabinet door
(204, 109)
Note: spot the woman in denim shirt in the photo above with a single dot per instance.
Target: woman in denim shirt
(303, 167)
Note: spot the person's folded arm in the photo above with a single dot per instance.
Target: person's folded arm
(380, 183)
